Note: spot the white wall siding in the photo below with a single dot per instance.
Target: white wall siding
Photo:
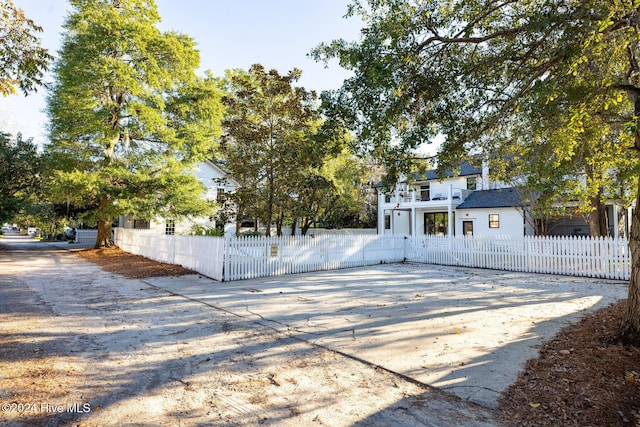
(511, 221)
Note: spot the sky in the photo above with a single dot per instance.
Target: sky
(230, 34)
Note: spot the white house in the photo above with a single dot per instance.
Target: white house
(468, 203)
(218, 184)
(463, 203)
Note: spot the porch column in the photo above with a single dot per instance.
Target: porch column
(413, 221)
(449, 212)
(615, 221)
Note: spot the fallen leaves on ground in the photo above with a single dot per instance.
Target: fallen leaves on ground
(582, 378)
(115, 260)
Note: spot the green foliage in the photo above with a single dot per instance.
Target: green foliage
(24, 61)
(466, 70)
(269, 140)
(292, 165)
(562, 74)
(128, 115)
(201, 230)
(20, 174)
(251, 234)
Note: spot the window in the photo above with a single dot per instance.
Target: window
(425, 192)
(387, 222)
(170, 227)
(494, 221)
(141, 224)
(437, 223)
(472, 183)
(221, 196)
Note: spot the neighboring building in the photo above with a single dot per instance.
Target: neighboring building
(468, 203)
(218, 184)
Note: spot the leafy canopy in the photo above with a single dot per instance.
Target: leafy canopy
(481, 72)
(269, 142)
(20, 174)
(23, 61)
(466, 69)
(128, 115)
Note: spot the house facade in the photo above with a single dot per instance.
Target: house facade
(428, 204)
(468, 203)
(218, 185)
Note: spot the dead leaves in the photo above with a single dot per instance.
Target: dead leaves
(582, 377)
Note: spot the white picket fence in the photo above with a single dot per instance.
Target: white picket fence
(199, 253)
(250, 257)
(603, 257)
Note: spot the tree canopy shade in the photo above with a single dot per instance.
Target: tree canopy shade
(269, 139)
(128, 115)
(483, 72)
(22, 60)
(20, 169)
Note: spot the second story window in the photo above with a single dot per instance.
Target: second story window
(425, 192)
(472, 183)
(221, 196)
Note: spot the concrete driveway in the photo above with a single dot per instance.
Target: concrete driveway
(80, 346)
(466, 331)
(288, 351)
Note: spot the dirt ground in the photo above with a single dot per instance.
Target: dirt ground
(100, 349)
(584, 376)
(115, 260)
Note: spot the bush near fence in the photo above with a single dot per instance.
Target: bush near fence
(249, 257)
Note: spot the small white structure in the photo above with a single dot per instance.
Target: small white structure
(218, 184)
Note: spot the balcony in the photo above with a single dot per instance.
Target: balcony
(411, 198)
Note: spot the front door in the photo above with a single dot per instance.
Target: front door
(467, 228)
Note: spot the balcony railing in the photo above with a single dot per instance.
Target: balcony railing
(409, 196)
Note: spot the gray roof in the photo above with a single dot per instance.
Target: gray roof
(500, 198)
(465, 170)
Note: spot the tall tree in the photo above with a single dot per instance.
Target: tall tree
(20, 174)
(269, 128)
(128, 115)
(23, 61)
(467, 69)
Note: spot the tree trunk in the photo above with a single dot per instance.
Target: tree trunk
(279, 222)
(306, 225)
(293, 226)
(103, 239)
(238, 222)
(597, 219)
(631, 327)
